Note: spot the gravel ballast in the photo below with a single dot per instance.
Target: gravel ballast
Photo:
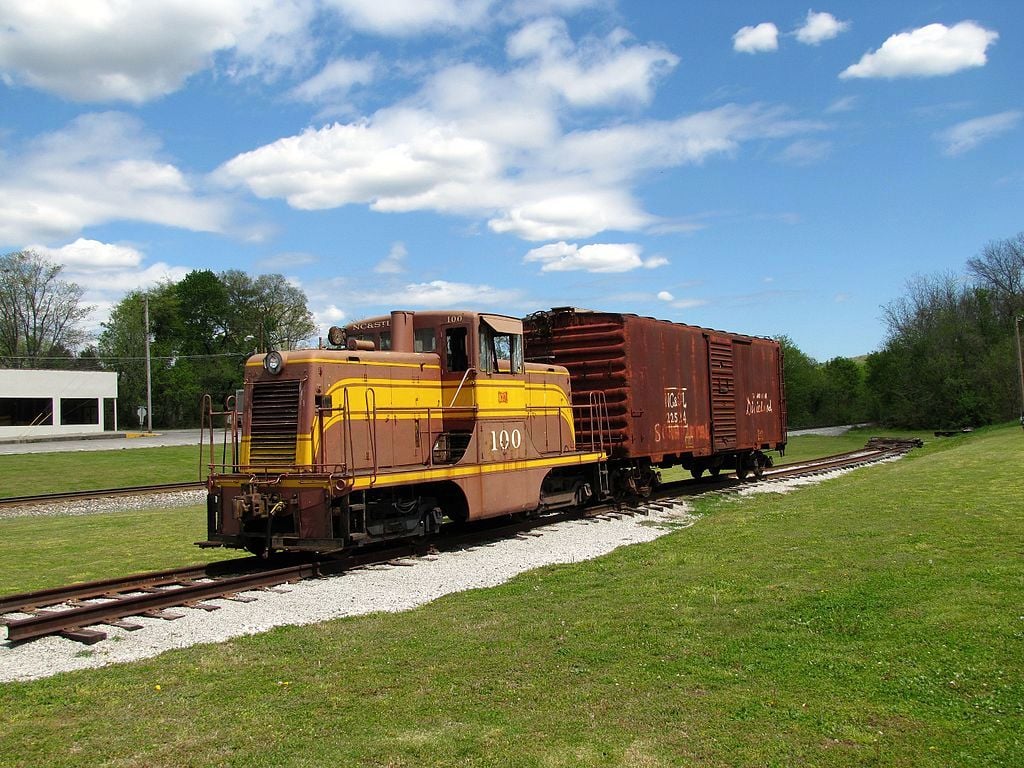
(368, 590)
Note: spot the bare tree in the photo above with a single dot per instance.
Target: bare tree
(1000, 269)
(39, 312)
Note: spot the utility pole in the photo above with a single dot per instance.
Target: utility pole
(149, 382)
(1020, 367)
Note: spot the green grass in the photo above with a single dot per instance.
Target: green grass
(874, 619)
(41, 552)
(23, 474)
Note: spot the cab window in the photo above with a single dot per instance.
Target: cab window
(456, 354)
(425, 340)
(500, 352)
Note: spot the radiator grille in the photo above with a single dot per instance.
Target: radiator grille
(275, 422)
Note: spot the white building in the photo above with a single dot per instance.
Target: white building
(39, 402)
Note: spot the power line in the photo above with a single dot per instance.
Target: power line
(104, 359)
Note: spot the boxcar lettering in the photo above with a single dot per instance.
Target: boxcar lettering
(759, 402)
(675, 406)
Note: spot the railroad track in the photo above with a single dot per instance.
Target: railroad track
(78, 611)
(135, 490)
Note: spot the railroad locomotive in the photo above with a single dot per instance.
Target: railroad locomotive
(408, 420)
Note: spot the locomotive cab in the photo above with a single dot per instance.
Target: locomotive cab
(407, 420)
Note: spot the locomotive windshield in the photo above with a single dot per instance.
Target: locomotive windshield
(501, 346)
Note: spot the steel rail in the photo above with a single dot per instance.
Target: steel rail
(135, 490)
(53, 622)
(26, 602)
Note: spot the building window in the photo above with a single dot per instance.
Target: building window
(26, 411)
(79, 410)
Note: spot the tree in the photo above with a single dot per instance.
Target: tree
(803, 385)
(947, 360)
(203, 328)
(268, 312)
(1000, 269)
(40, 314)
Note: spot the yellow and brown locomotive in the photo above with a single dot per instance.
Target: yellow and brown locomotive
(409, 419)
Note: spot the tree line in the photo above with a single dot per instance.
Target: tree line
(949, 358)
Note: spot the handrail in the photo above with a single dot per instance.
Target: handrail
(455, 397)
(206, 422)
(348, 448)
(372, 427)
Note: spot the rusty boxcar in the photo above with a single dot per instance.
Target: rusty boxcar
(670, 394)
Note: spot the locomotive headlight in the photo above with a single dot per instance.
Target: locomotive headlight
(336, 336)
(273, 363)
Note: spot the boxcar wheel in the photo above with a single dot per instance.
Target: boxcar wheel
(697, 472)
(757, 464)
(742, 467)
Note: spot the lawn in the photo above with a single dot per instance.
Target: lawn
(41, 552)
(23, 474)
(874, 619)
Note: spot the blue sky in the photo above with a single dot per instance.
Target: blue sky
(760, 167)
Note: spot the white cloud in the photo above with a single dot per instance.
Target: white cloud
(488, 144)
(101, 168)
(622, 150)
(665, 296)
(593, 73)
(91, 254)
(760, 39)
(689, 303)
(819, 27)
(580, 214)
(967, 135)
(393, 263)
(926, 52)
(402, 156)
(442, 293)
(287, 260)
(600, 257)
(107, 50)
(335, 80)
(806, 152)
(404, 18)
(842, 104)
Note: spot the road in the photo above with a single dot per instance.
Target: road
(114, 442)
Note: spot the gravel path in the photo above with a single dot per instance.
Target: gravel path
(369, 590)
(110, 504)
